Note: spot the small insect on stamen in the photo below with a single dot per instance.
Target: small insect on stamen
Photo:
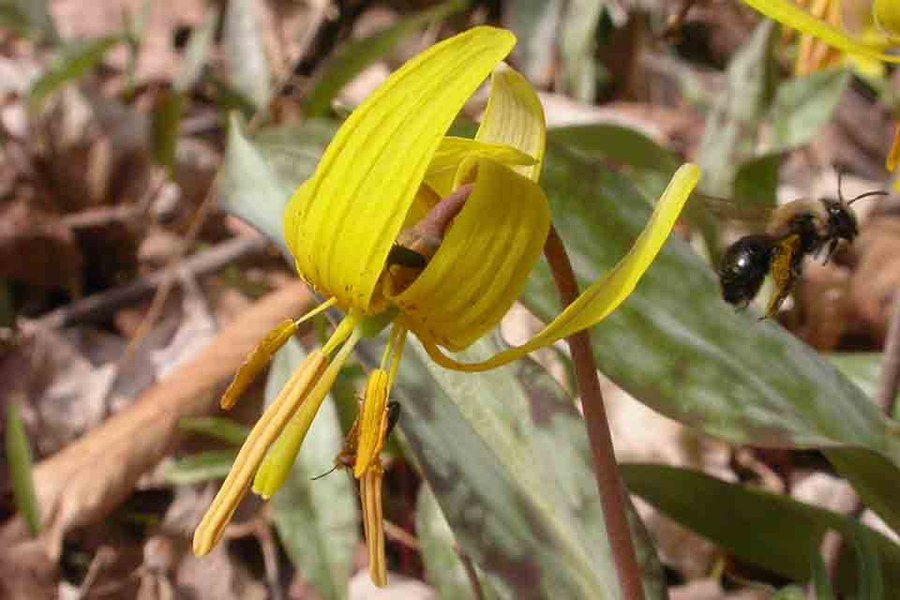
(393, 417)
(347, 457)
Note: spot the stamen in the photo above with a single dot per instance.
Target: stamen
(373, 525)
(277, 464)
(263, 353)
(263, 434)
(257, 361)
(893, 157)
(372, 422)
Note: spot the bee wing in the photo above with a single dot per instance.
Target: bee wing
(745, 211)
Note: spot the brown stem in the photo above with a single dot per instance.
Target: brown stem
(609, 481)
(889, 381)
(102, 305)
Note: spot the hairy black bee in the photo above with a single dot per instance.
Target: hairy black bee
(797, 229)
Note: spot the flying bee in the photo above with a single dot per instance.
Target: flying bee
(795, 230)
(346, 458)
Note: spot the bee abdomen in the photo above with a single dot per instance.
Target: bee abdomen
(744, 267)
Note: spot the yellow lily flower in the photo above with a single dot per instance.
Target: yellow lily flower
(825, 25)
(432, 235)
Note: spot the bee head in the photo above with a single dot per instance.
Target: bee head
(841, 220)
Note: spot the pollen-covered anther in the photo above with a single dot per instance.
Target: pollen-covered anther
(373, 523)
(262, 436)
(893, 157)
(373, 422)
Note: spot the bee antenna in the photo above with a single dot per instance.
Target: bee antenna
(840, 176)
(328, 472)
(868, 195)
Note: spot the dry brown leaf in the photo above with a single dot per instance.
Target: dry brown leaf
(84, 482)
(37, 249)
(877, 276)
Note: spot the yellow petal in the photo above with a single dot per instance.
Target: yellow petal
(372, 422)
(341, 224)
(482, 265)
(514, 117)
(454, 150)
(887, 16)
(788, 13)
(607, 293)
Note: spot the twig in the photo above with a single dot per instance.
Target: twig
(102, 305)
(400, 535)
(86, 480)
(889, 380)
(609, 480)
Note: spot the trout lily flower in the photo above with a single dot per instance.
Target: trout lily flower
(401, 226)
(825, 25)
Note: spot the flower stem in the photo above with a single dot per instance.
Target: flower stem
(609, 480)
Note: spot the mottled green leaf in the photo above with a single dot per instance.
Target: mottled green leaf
(196, 54)
(536, 24)
(444, 569)
(775, 532)
(577, 48)
(730, 134)
(352, 58)
(316, 520)
(30, 18)
(756, 181)
(803, 105)
(200, 467)
(71, 62)
(791, 592)
(677, 347)
(821, 582)
(18, 458)
(506, 454)
(165, 126)
(245, 54)
(862, 368)
(258, 178)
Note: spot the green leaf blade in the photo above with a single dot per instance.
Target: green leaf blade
(18, 453)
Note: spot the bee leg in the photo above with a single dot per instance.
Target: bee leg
(832, 248)
(786, 269)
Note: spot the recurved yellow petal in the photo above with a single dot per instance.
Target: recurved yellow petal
(607, 293)
(514, 117)
(454, 150)
(482, 265)
(788, 13)
(887, 16)
(372, 422)
(341, 224)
